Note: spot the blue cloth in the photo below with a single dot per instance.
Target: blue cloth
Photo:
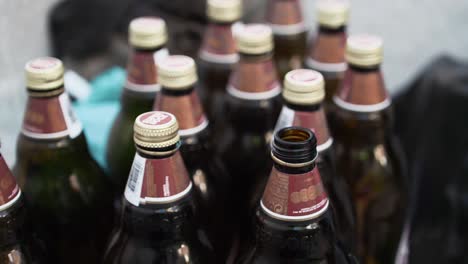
(98, 111)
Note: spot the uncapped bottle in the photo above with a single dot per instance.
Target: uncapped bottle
(69, 197)
(218, 54)
(157, 220)
(327, 50)
(294, 223)
(251, 109)
(16, 241)
(290, 33)
(303, 95)
(367, 154)
(178, 78)
(147, 37)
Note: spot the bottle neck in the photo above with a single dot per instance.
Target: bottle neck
(49, 115)
(285, 17)
(158, 177)
(187, 108)
(255, 78)
(218, 44)
(141, 69)
(327, 53)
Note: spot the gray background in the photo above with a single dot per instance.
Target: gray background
(413, 31)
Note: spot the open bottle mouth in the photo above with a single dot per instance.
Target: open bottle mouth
(294, 145)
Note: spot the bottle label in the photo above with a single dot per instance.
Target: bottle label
(187, 109)
(51, 117)
(219, 45)
(362, 108)
(9, 190)
(313, 120)
(254, 81)
(157, 181)
(338, 67)
(285, 17)
(142, 71)
(327, 54)
(294, 197)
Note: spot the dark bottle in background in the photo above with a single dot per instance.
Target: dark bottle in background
(69, 196)
(178, 78)
(252, 106)
(327, 50)
(17, 244)
(294, 223)
(290, 34)
(303, 96)
(218, 55)
(147, 38)
(157, 221)
(367, 154)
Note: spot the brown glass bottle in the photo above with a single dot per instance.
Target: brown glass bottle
(69, 196)
(251, 109)
(367, 153)
(157, 222)
(218, 55)
(294, 223)
(327, 49)
(147, 39)
(303, 95)
(17, 244)
(178, 79)
(285, 19)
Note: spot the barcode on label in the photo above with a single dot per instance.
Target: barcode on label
(285, 119)
(135, 180)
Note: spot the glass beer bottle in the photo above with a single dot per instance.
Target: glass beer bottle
(327, 50)
(290, 34)
(16, 241)
(156, 224)
(147, 37)
(178, 78)
(70, 197)
(293, 222)
(303, 95)
(367, 154)
(252, 106)
(218, 54)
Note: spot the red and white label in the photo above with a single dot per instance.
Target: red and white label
(285, 17)
(219, 45)
(157, 181)
(294, 197)
(156, 118)
(51, 117)
(142, 71)
(9, 190)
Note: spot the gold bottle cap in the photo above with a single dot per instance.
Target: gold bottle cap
(304, 87)
(254, 38)
(147, 32)
(44, 73)
(224, 10)
(333, 13)
(364, 50)
(177, 72)
(155, 130)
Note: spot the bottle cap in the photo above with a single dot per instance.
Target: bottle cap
(304, 87)
(333, 13)
(364, 50)
(147, 32)
(177, 72)
(44, 73)
(254, 39)
(224, 10)
(155, 130)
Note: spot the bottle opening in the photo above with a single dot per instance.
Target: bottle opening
(294, 145)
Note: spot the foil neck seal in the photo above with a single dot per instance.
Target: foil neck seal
(333, 13)
(156, 132)
(226, 11)
(254, 39)
(44, 74)
(177, 72)
(147, 32)
(364, 50)
(304, 87)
